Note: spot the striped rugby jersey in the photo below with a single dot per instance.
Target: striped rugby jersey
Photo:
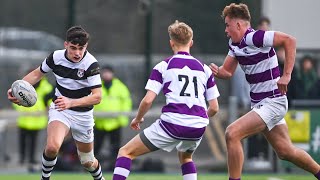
(187, 83)
(259, 62)
(73, 79)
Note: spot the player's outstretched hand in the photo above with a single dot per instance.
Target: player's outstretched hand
(11, 97)
(283, 84)
(62, 103)
(135, 123)
(214, 68)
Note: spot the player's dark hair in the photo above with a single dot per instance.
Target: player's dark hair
(77, 35)
(240, 11)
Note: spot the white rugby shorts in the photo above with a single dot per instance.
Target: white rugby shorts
(272, 110)
(154, 137)
(81, 131)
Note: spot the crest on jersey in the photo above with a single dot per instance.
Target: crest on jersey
(80, 73)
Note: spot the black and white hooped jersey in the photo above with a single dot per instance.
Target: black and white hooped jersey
(73, 79)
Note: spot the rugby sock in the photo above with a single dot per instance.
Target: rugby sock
(122, 168)
(47, 166)
(234, 179)
(189, 171)
(96, 173)
(317, 175)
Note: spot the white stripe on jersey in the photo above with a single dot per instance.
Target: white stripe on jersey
(261, 66)
(73, 84)
(265, 86)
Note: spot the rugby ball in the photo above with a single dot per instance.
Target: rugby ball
(24, 92)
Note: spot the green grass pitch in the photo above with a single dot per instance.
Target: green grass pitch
(81, 176)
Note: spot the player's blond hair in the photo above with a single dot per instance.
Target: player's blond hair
(240, 11)
(180, 32)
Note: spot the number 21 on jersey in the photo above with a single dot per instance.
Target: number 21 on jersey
(185, 80)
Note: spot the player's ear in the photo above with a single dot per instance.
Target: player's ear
(65, 44)
(191, 43)
(171, 43)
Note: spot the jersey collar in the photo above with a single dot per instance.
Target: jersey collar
(65, 55)
(183, 53)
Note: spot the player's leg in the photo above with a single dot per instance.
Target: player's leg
(56, 131)
(280, 141)
(188, 167)
(87, 159)
(249, 124)
(135, 147)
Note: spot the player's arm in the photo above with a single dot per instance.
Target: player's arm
(213, 107)
(226, 70)
(63, 103)
(34, 76)
(289, 44)
(144, 106)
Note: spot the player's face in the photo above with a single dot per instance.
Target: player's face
(232, 29)
(75, 52)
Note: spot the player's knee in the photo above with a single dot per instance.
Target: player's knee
(87, 160)
(284, 152)
(52, 149)
(124, 152)
(230, 134)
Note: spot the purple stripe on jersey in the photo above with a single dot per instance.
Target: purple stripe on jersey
(180, 63)
(242, 44)
(210, 82)
(166, 89)
(183, 53)
(123, 162)
(259, 96)
(184, 109)
(257, 38)
(156, 75)
(254, 59)
(188, 168)
(263, 76)
(167, 59)
(182, 132)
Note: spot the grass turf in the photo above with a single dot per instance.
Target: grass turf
(80, 176)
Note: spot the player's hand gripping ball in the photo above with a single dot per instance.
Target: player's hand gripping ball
(24, 92)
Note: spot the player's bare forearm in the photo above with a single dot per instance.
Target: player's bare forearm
(290, 54)
(289, 44)
(34, 76)
(144, 107)
(213, 107)
(223, 74)
(145, 104)
(226, 70)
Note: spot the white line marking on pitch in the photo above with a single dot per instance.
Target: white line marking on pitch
(273, 178)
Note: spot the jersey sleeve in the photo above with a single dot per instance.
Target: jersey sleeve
(48, 64)
(260, 38)
(155, 81)
(212, 91)
(93, 75)
(231, 53)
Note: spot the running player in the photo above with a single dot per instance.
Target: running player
(187, 83)
(254, 51)
(78, 89)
